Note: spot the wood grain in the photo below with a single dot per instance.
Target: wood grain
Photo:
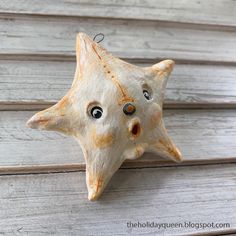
(57, 204)
(218, 12)
(203, 136)
(146, 41)
(38, 84)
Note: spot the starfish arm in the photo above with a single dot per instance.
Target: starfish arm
(160, 73)
(100, 167)
(164, 145)
(54, 118)
(163, 69)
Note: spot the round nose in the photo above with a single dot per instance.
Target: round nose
(129, 109)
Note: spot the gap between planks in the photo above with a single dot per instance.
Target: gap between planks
(37, 106)
(195, 25)
(72, 58)
(75, 167)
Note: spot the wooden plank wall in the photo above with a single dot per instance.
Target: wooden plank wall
(37, 63)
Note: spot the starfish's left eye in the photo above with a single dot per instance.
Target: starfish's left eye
(96, 112)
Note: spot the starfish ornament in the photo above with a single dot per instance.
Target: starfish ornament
(113, 109)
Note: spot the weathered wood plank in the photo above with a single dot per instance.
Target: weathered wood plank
(218, 233)
(40, 83)
(219, 12)
(57, 204)
(146, 40)
(203, 136)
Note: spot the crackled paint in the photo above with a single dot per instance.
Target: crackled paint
(131, 123)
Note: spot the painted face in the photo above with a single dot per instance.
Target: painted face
(114, 111)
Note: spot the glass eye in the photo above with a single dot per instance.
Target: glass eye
(146, 94)
(96, 112)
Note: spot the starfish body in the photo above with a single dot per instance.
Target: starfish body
(113, 109)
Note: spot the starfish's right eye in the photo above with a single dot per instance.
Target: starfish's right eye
(147, 92)
(96, 112)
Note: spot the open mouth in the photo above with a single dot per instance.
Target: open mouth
(135, 130)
